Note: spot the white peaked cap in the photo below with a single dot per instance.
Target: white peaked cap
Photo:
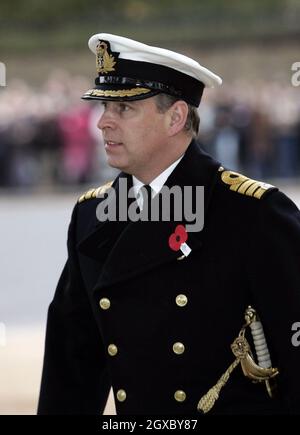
(128, 69)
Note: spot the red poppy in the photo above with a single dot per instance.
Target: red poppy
(178, 237)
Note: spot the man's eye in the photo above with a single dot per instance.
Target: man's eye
(124, 107)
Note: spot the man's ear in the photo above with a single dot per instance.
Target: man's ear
(178, 113)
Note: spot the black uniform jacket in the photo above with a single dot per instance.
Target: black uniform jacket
(116, 318)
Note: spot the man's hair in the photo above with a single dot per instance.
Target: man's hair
(165, 101)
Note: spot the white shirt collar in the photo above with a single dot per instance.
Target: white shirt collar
(155, 184)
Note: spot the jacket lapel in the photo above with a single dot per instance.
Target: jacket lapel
(129, 249)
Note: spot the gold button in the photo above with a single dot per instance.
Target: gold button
(112, 350)
(104, 303)
(180, 396)
(178, 348)
(181, 300)
(121, 395)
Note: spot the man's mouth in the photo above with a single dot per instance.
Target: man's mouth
(112, 144)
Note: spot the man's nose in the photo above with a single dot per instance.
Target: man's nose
(106, 120)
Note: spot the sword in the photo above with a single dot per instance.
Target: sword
(261, 372)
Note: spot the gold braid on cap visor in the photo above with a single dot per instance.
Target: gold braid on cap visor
(120, 93)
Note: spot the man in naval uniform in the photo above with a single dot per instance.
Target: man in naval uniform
(154, 309)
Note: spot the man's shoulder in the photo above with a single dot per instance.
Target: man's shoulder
(239, 185)
(255, 204)
(84, 215)
(239, 192)
(95, 192)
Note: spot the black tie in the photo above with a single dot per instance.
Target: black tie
(146, 192)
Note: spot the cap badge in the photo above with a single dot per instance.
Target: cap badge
(105, 61)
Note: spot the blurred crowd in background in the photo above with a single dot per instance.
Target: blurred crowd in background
(49, 136)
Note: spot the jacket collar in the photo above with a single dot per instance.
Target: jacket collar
(127, 249)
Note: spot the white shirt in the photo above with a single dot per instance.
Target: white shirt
(155, 184)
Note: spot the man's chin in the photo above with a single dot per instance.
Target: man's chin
(117, 165)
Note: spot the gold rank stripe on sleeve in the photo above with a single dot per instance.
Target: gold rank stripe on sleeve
(95, 193)
(244, 185)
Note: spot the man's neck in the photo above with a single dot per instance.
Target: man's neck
(147, 175)
(157, 183)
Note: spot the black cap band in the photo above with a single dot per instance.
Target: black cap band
(155, 77)
(126, 81)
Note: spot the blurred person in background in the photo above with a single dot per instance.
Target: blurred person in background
(150, 308)
(77, 153)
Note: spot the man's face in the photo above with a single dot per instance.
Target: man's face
(134, 134)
